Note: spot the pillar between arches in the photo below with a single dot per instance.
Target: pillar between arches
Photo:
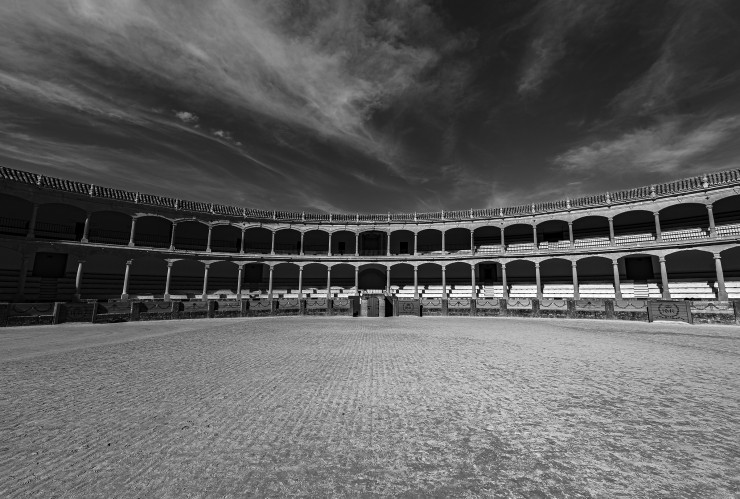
(617, 286)
(664, 278)
(78, 280)
(86, 230)
(712, 227)
(126, 276)
(505, 285)
(721, 291)
(576, 293)
(167, 280)
(537, 279)
(205, 281)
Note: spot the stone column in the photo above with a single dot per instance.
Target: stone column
(658, 234)
(133, 231)
(124, 293)
(617, 287)
(444, 236)
(387, 279)
(416, 240)
(664, 278)
(534, 235)
(210, 234)
(328, 282)
(388, 243)
(444, 283)
(269, 285)
(472, 242)
(611, 231)
(328, 251)
(570, 234)
(416, 282)
(472, 281)
(721, 291)
(712, 227)
(32, 224)
(241, 246)
(503, 281)
(205, 280)
(86, 230)
(239, 278)
(357, 244)
(167, 282)
(576, 293)
(302, 234)
(78, 280)
(357, 280)
(300, 282)
(537, 279)
(172, 236)
(272, 244)
(503, 242)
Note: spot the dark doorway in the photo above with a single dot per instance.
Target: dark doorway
(404, 249)
(638, 268)
(488, 273)
(372, 306)
(50, 265)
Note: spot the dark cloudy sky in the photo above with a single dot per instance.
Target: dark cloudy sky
(370, 106)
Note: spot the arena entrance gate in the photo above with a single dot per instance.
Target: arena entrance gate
(373, 307)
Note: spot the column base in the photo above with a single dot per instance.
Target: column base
(124, 296)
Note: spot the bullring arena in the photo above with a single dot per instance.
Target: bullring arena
(499, 352)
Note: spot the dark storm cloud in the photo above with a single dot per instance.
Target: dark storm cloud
(370, 105)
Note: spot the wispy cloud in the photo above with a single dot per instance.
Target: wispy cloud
(554, 21)
(325, 66)
(671, 145)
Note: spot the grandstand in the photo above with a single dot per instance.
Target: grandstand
(66, 241)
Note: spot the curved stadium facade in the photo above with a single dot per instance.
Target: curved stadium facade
(66, 241)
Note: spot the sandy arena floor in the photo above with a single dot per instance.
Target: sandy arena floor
(447, 407)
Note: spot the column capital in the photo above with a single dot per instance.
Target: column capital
(129, 262)
(80, 261)
(615, 263)
(709, 206)
(717, 256)
(661, 259)
(207, 265)
(574, 264)
(170, 263)
(536, 265)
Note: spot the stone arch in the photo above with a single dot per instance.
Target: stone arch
(429, 241)
(148, 276)
(102, 275)
(634, 226)
(727, 210)
(287, 241)
(487, 239)
(16, 215)
(153, 231)
(316, 242)
(110, 227)
(457, 239)
(191, 235)
(285, 277)
(222, 277)
(187, 278)
(226, 238)
(60, 221)
(590, 226)
(402, 242)
(556, 269)
(257, 240)
(373, 277)
(343, 242)
(682, 216)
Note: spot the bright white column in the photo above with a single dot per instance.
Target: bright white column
(416, 282)
(78, 280)
(124, 293)
(712, 227)
(444, 283)
(664, 278)
(300, 282)
(617, 285)
(86, 230)
(32, 224)
(210, 234)
(576, 292)
(721, 291)
(205, 280)
(658, 234)
(172, 236)
(239, 278)
(505, 285)
(167, 281)
(133, 231)
(537, 279)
